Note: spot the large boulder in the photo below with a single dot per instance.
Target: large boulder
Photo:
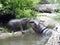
(44, 2)
(54, 39)
(48, 8)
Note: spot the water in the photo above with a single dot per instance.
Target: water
(25, 39)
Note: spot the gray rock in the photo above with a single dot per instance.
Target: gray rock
(47, 7)
(44, 2)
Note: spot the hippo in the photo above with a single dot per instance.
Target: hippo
(16, 24)
(39, 28)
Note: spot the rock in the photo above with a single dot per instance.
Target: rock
(48, 8)
(16, 34)
(13, 34)
(57, 27)
(47, 21)
(54, 39)
(47, 14)
(44, 2)
(1, 28)
(5, 35)
(8, 35)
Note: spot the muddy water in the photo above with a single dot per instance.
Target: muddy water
(25, 39)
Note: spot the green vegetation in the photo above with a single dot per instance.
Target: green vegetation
(57, 17)
(22, 8)
(4, 29)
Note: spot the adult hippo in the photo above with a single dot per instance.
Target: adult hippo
(16, 24)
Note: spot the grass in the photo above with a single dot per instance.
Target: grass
(57, 17)
(4, 29)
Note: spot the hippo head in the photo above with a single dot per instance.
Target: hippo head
(36, 26)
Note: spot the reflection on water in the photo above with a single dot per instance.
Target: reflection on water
(25, 39)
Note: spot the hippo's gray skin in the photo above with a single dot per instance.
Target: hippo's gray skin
(40, 28)
(16, 24)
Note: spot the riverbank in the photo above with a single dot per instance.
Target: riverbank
(13, 34)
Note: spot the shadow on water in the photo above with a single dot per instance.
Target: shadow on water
(25, 39)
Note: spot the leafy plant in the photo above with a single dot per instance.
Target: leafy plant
(22, 8)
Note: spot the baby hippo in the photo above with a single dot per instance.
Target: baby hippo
(39, 28)
(16, 24)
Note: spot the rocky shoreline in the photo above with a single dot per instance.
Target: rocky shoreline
(13, 34)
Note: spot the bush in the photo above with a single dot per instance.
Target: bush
(22, 8)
